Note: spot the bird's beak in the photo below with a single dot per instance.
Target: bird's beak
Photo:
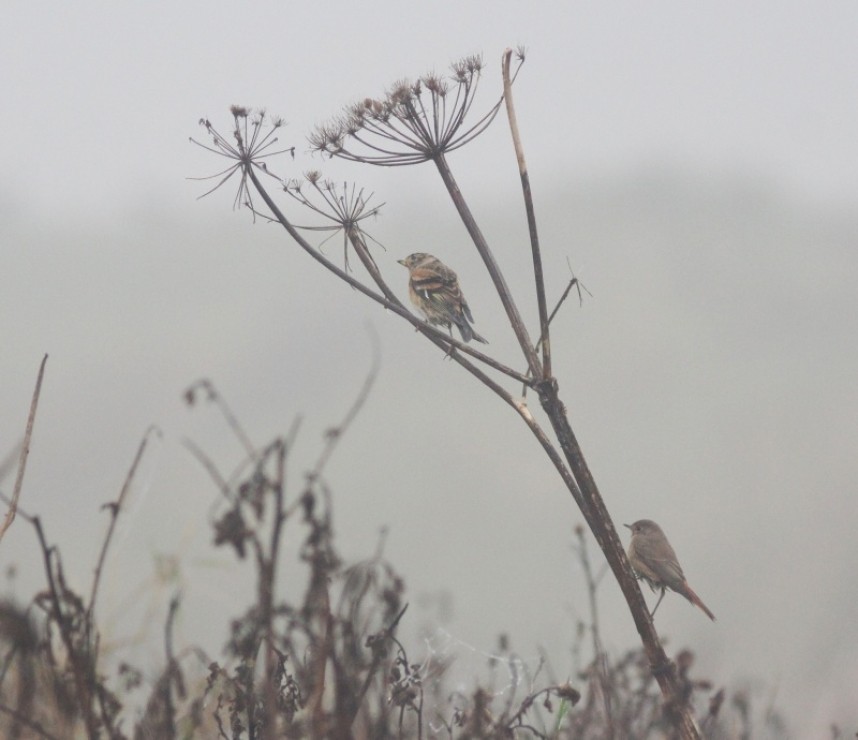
(628, 525)
(401, 262)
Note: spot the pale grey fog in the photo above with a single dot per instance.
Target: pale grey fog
(696, 165)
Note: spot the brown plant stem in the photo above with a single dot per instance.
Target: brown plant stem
(495, 273)
(539, 279)
(602, 527)
(267, 579)
(82, 668)
(593, 508)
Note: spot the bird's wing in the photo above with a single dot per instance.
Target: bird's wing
(428, 280)
(425, 279)
(666, 566)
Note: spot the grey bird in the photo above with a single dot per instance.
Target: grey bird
(654, 560)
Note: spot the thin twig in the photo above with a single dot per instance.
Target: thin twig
(599, 657)
(25, 451)
(209, 466)
(574, 282)
(212, 395)
(335, 433)
(115, 507)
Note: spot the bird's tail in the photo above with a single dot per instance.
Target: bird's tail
(468, 333)
(689, 594)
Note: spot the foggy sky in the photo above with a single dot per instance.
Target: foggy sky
(697, 166)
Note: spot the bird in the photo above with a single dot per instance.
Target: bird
(434, 289)
(654, 560)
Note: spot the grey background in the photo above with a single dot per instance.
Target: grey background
(697, 165)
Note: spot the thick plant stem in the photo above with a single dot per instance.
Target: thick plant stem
(603, 530)
(539, 279)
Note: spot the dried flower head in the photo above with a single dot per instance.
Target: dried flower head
(414, 122)
(344, 208)
(253, 145)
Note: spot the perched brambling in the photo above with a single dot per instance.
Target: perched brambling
(434, 289)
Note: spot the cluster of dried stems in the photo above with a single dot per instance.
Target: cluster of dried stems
(332, 665)
(328, 666)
